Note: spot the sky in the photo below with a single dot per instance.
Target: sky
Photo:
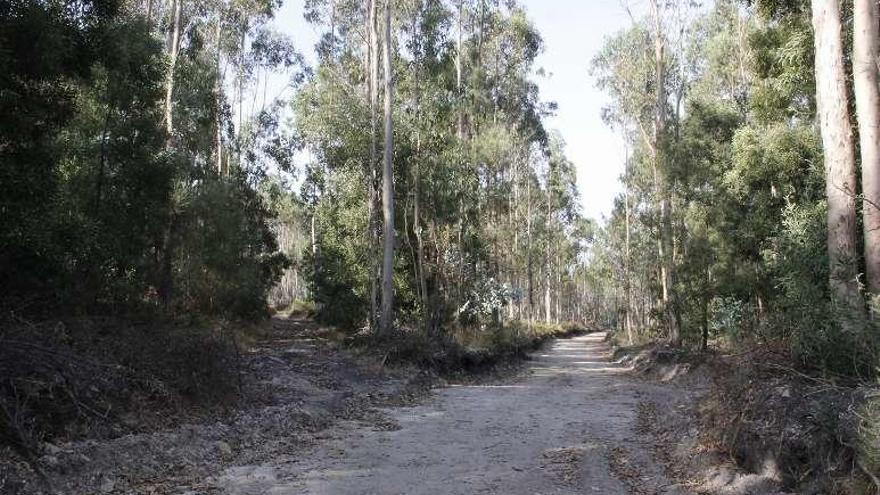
(573, 32)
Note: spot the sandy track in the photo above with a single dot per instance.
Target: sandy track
(567, 426)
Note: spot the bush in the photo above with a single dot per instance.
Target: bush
(228, 259)
(332, 285)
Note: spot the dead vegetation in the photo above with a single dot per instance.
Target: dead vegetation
(293, 383)
(762, 426)
(564, 463)
(72, 378)
(770, 417)
(465, 350)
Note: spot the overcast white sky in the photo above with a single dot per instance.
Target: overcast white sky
(573, 31)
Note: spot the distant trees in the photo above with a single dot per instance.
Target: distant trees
(479, 200)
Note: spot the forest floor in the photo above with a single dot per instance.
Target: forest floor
(321, 420)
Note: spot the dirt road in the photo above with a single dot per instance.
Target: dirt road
(567, 426)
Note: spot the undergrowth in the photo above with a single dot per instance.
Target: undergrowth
(812, 433)
(100, 377)
(868, 459)
(465, 349)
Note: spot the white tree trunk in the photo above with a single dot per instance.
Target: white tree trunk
(458, 74)
(370, 172)
(172, 64)
(865, 57)
(218, 97)
(840, 169)
(388, 185)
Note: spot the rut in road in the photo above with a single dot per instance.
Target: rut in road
(567, 426)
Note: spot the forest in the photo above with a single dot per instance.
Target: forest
(187, 190)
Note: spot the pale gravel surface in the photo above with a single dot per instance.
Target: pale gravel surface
(567, 426)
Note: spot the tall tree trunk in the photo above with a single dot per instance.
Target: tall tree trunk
(627, 284)
(218, 97)
(529, 268)
(660, 180)
(459, 89)
(547, 262)
(547, 313)
(149, 15)
(388, 185)
(370, 172)
(458, 74)
(241, 76)
(102, 160)
(421, 281)
(840, 167)
(558, 285)
(865, 57)
(172, 64)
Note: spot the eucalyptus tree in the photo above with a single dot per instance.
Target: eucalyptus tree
(387, 318)
(630, 61)
(866, 52)
(840, 166)
(468, 139)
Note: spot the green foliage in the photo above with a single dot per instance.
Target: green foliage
(229, 267)
(101, 207)
(486, 210)
(746, 189)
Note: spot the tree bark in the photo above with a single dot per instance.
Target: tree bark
(664, 244)
(149, 15)
(627, 284)
(388, 185)
(529, 269)
(547, 258)
(840, 168)
(458, 74)
(370, 172)
(421, 281)
(102, 162)
(218, 97)
(172, 64)
(865, 56)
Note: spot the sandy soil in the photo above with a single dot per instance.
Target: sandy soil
(569, 425)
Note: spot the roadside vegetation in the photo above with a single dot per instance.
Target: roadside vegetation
(158, 202)
(161, 198)
(745, 232)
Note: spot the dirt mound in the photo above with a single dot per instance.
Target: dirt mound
(760, 427)
(804, 430)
